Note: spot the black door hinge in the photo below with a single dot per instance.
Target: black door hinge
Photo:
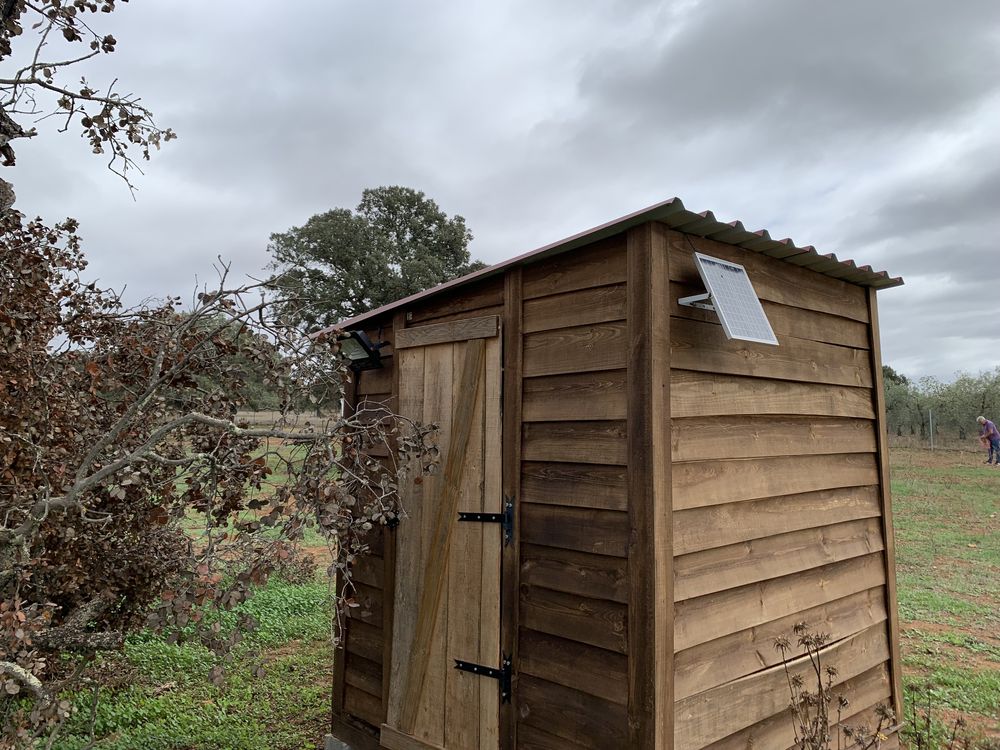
(505, 519)
(502, 675)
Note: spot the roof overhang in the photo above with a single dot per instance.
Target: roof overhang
(673, 214)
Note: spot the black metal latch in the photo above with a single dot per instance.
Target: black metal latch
(505, 519)
(502, 674)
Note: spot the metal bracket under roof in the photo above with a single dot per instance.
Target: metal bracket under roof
(704, 301)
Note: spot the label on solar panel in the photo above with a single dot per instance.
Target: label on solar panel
(735, 301)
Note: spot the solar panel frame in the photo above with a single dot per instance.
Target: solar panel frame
(735, 301)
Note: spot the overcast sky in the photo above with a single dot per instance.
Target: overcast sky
(868, 129)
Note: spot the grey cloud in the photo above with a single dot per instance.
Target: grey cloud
(864, 128)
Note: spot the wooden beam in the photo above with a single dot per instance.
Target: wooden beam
(744, 652)
(888, 533)
(435, 572)
(650, 580)
(394, 740)
(511, 481)
(390, 539)
(340, 652)
(357, 737)
(485, 327)
(702, 394)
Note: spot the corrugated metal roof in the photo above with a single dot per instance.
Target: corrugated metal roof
(672, 213)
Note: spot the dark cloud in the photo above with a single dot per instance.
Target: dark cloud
(866, 129)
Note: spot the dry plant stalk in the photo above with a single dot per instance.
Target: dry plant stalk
(812, 710)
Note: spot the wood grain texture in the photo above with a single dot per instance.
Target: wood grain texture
(465, 578)
(583, 485)
(886, 498)
(595, 576)
(703, 438)
(702, 483)
(721, 568)
(409, 551)
(715, 714)
(365, 675)
(392, 739)
(367, 605)
(601, 532)
(719, 525)
(445, 333)
(601, 346)
(358, 735)
(440, 386)
(593, 621)
(777, 731)
(599, 264)
(575, 397)
(476, 296)
(575, 442)
(511, 479)
(533, 738)
(364, 640)
(478, 312)
(704, 347)
(340, 624)
(704, 394)
(365, 706)
(489, 624)
(369, 570)
(716, 615)
(747, 651)
(390, 540)
(372, 383)
(594, 305)
(773, 280)
(784, 320)
(650, 580)
(440, 538)
(594, 671)
(573, 715)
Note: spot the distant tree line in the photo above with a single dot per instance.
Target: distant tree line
(955, 405)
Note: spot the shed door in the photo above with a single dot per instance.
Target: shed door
(447, 592)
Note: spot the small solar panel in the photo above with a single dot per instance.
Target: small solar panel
(734, 300)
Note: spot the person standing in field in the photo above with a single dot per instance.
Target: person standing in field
(989, 431)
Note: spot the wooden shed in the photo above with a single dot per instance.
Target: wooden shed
(659, 502)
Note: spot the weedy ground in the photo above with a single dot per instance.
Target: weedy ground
(158, 696)
(947, 521)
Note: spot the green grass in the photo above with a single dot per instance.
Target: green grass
(947, 522)
(161, 697)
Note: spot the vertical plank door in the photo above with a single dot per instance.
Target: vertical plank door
(447, 594)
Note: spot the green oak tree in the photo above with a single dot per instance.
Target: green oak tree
(342, 263)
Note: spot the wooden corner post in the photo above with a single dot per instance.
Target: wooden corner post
(650, 550)
(511, 460)
(888, 533)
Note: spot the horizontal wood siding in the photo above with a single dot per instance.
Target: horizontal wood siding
(359, 684)
(776, 498)
(572, 666)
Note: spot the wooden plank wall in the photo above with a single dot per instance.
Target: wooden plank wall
(359, 688)
(572, 662)
(360, 693)
(776, 500)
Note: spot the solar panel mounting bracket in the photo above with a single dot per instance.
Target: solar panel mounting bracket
(704, 301)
